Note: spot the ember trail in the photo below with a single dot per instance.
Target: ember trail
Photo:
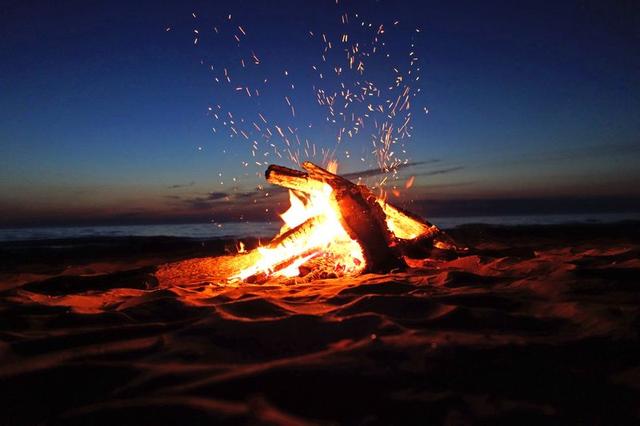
(352, 87)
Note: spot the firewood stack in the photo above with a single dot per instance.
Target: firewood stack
(363, 216)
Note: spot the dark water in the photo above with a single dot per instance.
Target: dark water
(195, 230)
(267, 229)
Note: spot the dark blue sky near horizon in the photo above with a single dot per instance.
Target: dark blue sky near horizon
(105, 114)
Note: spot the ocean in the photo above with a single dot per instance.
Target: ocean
(268, 229)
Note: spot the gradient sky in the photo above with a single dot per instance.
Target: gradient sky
(533, 106)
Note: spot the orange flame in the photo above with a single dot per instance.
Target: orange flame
(313, 235)
(327, 237)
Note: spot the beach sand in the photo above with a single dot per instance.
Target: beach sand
(533, 325)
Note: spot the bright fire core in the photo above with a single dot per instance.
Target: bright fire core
(325, 238)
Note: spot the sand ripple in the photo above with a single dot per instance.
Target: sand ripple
(542, 329)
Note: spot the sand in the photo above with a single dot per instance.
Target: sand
(531, 325)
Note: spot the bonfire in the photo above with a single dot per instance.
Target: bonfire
(335, 227)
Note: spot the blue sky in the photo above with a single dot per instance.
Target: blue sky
(105, 113)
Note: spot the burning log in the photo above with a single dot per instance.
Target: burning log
(363, 219)
(292, 179)
(360, 215)
(293, 233)
(262, 276)
(377, 226)
(403, 224)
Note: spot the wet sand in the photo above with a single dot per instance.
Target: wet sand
(533, 325)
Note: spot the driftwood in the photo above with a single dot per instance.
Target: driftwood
(262, 276)
(292, 179)
(293, 233)
(363, 219)
(315, 178)
(362, 215)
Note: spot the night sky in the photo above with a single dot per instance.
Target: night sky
(108, 109)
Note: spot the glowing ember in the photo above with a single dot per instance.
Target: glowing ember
(403, 225)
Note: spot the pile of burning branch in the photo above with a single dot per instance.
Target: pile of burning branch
(335, 227)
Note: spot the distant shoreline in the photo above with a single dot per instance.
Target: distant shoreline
(238, 230)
